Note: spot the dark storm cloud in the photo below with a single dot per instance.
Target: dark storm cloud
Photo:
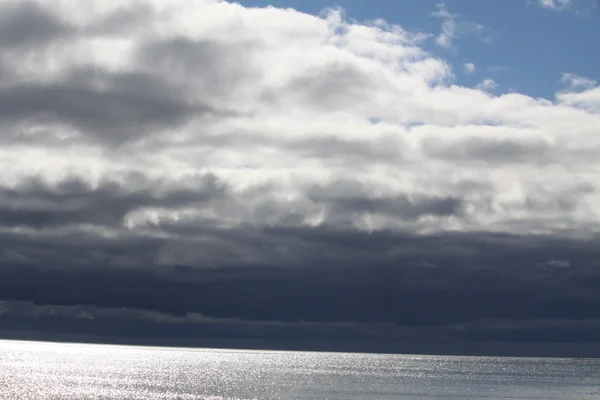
(346, 198)
(89, 323)
(537, 330)
(378, 278)
(25, 23)
(38, 204)
(74, 249)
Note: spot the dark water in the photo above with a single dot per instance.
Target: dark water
(78, 371)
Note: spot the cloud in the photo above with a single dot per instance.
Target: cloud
(455, 27)
(581, 8)
(261, 148)
(488, 85)
(448, 33)
(554, 337)
(24, 24)
(470, 68)
(580, 92)
(573, 81)
(36, 204)
(282, 114)
(588, 99)
(325, 278)
(558, 263)
(556, 5)
(124, 107)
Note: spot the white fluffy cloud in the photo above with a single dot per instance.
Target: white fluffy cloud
(488, 85)
(588, 100)
(555, 4)
(196, 113)
(573, 82)
(580, 92)
(470, 68)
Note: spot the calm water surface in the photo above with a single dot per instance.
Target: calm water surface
(40, 371)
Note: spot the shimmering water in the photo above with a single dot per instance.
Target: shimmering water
(79, 371)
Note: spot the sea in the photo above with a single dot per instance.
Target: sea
(61, 371)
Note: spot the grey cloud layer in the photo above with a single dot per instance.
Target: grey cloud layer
(36, 204)
(28, 24)
(117, 113)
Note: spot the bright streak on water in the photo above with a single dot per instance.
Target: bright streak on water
(40, 371)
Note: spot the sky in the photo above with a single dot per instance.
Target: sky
(399, 177)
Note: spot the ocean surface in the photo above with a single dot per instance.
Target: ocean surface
(36, 370)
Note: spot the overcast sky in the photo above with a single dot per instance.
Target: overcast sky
(203, 169)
